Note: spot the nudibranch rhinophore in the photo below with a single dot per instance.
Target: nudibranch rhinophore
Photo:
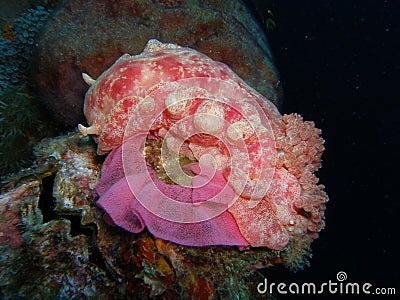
(200, 158)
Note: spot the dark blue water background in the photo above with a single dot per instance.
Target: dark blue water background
(339, 63)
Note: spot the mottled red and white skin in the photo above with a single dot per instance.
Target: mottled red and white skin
(251, 181)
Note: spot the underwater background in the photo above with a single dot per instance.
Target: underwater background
(339, 65)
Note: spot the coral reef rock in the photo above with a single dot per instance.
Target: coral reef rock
(87, 36)
(54, 242)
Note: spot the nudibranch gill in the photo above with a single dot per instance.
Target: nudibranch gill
(198, 157)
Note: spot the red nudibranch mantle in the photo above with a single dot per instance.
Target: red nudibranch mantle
(248, 178)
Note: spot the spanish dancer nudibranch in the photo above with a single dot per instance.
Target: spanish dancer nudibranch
(200, 158)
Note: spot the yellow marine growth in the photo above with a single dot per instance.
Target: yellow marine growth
(270, 23)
